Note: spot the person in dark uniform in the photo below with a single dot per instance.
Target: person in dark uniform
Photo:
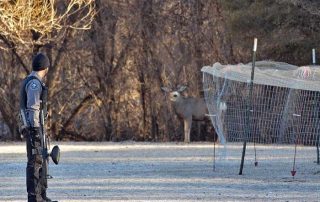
(31, 102)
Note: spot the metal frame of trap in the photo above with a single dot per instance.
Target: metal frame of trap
(249, 110)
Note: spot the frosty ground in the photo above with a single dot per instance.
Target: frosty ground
(131, 171)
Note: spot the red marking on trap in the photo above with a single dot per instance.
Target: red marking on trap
(293, 173)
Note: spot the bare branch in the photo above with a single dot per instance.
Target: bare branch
(37, 22)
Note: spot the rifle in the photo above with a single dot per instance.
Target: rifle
(54, 154)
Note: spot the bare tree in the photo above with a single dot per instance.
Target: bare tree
(108, 79)
(111, 44)
(30, 22)
(27, 27)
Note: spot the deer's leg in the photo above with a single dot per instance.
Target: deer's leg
(187, 129)
(199, 130)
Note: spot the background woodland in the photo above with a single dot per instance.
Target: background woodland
(110, 58)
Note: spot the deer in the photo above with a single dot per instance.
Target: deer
(187, 108)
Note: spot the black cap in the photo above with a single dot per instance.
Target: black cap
(40, 62)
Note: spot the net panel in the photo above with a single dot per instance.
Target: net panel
(285, 102)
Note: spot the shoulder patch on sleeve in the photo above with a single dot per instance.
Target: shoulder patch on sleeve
(34, 85)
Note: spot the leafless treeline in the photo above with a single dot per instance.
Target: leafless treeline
(105, 82)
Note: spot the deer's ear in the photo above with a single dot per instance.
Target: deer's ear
(182, 88)
(165, 89)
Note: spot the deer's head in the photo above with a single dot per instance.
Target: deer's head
(174, 95)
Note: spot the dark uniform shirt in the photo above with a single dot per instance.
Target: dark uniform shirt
(33, 90)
